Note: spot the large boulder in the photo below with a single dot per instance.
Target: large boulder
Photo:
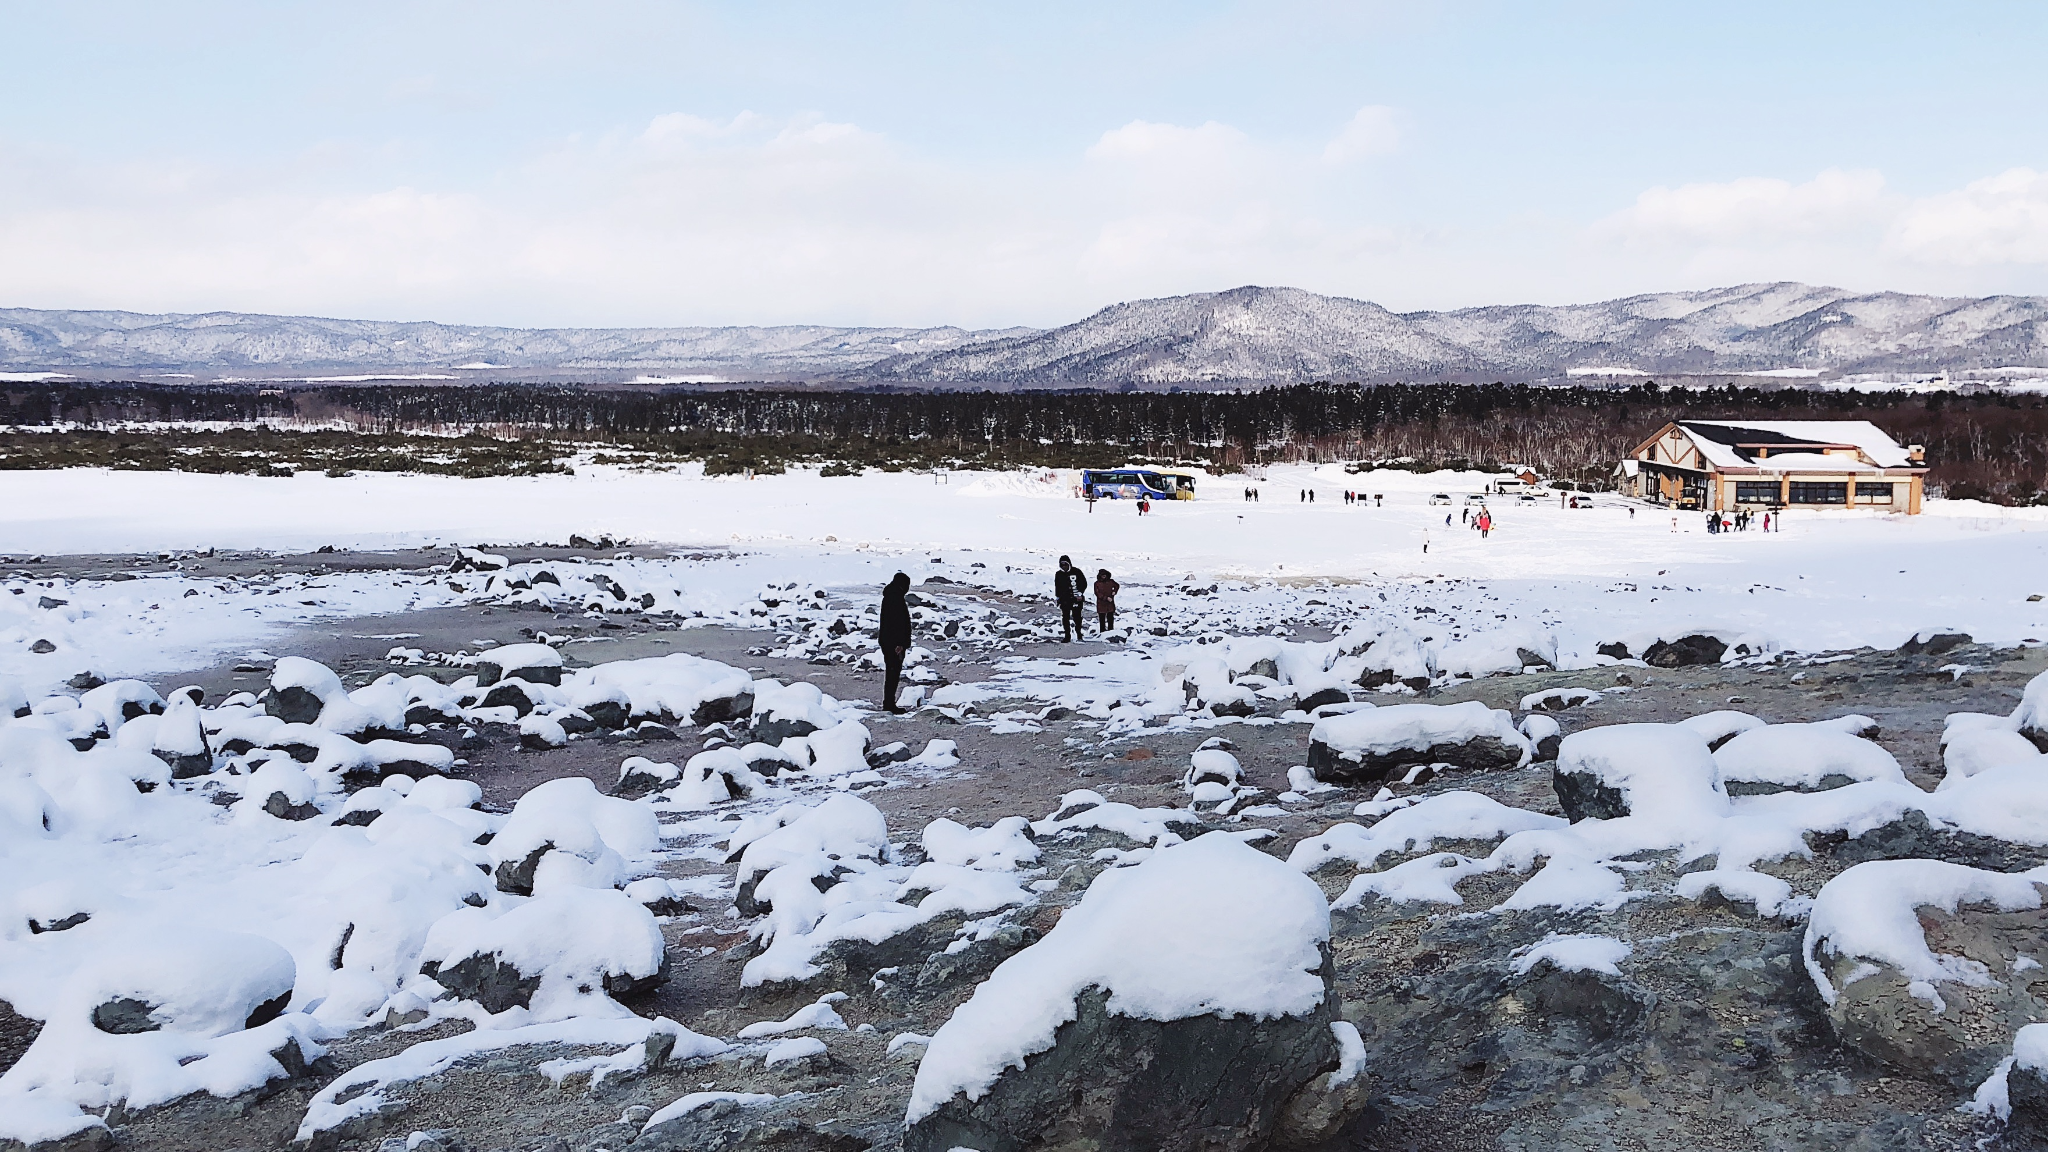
(198, 982)
(1655, 770)
(1366, 746)
(2031, 717)
(2026, 1089)
(1801, 758)
(1185, 1003)
(300, 689)
(533, 663)
(1918, 962)
(568, 817)
(550, 952)
(782, 711)
(1695, 648)
(1933, 642)
(179, 740)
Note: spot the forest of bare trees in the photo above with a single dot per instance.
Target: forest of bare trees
(1984, 446)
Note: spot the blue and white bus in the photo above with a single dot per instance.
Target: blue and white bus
(1135, 484)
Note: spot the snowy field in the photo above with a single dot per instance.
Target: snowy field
(1827, 581)
(205, 895)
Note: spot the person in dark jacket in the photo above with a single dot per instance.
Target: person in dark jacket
(1106, 589)
(895, 636)
(1069, 589)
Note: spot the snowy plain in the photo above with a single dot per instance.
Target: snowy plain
(1832, 580)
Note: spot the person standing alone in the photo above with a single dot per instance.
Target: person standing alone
(1069, 589)
(1106, 589)
(895, 636)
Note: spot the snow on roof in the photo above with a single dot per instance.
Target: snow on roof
(1722, 442)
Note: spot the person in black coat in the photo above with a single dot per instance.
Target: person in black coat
(895, 636)
(1069, 590)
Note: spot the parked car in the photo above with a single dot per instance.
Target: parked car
(1440, 498)
(1527, 498)
(1475, 499)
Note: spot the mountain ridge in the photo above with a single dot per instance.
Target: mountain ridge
(1249, 335)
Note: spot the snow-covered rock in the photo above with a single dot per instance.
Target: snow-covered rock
(1801, 758)
(1893, 997)
(1658, 770)
(1363, 747)
(534, 663)
(549, 954)
(1717, 728)
(1184, 1002)
(568, 816)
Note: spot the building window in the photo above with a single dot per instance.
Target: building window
(1867, 493)
(1756, 491)
(1820, 493)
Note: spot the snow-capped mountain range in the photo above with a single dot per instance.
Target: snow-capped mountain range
(1249, 335)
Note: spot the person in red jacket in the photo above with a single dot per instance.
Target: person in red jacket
(1106, 589)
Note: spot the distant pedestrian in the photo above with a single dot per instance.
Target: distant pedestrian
(1447, 519)
(1425, 539)
(1376, 499)
(1069, 590)
(1631, 511)
(1106, 589)
(1311, 495)
(895, 636)
(1304, 495)
(1463, 514)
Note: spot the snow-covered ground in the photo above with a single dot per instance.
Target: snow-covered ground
(294, 883)
(1827, 581)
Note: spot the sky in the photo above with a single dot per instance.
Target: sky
(631, 163)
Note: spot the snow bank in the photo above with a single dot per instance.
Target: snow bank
(1207, 927)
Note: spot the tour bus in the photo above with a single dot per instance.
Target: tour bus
(1136, 483)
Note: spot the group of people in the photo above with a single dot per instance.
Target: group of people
(1736, 521)
(1482, 523)
(1070, 591)
(1069, 588)
(1308, 496)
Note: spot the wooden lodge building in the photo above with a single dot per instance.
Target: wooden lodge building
(1724, 466)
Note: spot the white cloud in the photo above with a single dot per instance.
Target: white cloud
(1751, 209)
(2002, 219)
(755, 218)
(1144, 142)
(1374, 131)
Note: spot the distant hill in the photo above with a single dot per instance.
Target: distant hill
(255, 346)
(1276, 335)
(1249, 335)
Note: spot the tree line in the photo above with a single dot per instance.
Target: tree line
(1991, 446)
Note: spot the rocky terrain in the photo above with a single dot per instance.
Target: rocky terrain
(1665, 1012)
